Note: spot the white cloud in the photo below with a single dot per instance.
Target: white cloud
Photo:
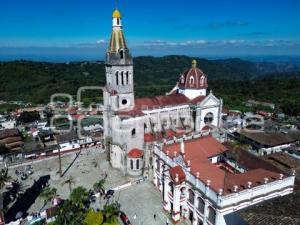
(101, 41)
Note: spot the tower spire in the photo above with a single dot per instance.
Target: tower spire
(117, 41)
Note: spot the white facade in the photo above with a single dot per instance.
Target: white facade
(196, 201)
(191, 94)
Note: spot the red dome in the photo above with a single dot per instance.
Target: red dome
(135, 153)
(193, 78)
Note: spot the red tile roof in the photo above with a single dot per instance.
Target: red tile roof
(177, 171)
(149, 137)
(135, 153)
(150, 103)
(161, 101)
(198, 152)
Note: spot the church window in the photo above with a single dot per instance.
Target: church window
(118, 21)
(191, 196)
(131, 164)
(117, 78)
(124, 102)
(209, 117)
(191, 80)
(133, 132)
(122, 54)
(201, 205)
(137, 164)
(127, 77)
(211, 215)
(122, 77)
(202, 81)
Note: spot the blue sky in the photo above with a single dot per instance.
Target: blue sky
(65, 29)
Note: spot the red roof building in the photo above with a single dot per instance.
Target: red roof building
(199, 167)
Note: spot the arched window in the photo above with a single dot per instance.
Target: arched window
(191, 196)
(122, 54)
(117, 77)
(201, 205)
(137, 164)
(202, 81)
(211, 215)
(182, 80)
(118, 21)
(209, 117)
(127, 77)
(133, 132)
(131, 164)
(122, 77)
(182, 192)
(192, 80)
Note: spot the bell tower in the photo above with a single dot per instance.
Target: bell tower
(119, 68)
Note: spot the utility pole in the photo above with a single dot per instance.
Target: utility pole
(59, 158)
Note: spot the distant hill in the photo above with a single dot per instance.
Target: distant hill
(36, 81)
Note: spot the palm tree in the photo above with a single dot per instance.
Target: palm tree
(69, 214)
(47, 195)
(237, 147)
(79, 196)
(110, 211)
(70, 181)
(4, 178)
(99, 186)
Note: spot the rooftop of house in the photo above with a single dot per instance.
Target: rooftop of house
(246, 159)
(66, 137)
(286, 163)
(9, 133)
(282, 210)
(197, 154)
(272, 139)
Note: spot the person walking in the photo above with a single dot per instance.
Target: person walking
(154, 216)
(167, 222)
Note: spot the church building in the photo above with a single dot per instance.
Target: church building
(132, 124)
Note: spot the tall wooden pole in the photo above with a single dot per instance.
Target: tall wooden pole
(59, 160)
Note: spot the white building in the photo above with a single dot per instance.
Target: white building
(131, 125)
(7, 124)
(198, 184)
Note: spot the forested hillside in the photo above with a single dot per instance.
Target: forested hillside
(234, 80)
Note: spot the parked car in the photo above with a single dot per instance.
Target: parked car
(125, 219)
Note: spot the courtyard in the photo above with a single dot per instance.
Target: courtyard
(140, 201)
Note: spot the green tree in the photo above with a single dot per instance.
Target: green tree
(99, 186)
(237, 147)
(111, 211)
(70, 182)
(28, 117)
(70, 214)
(93, 218)
(48, 194)
(79, 196)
